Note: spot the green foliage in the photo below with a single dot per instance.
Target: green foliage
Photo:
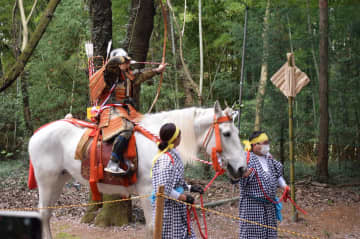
(340, 172)
(64, 235)
(60, 63)
(9, 166)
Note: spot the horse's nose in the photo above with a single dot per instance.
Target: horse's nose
(236, 173)
(242, 170)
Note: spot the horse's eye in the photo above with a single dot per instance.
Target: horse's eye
(227, 134)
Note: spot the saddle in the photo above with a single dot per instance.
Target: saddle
(102, 157)
(94, 156)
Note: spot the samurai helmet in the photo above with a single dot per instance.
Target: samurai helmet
(120, 52)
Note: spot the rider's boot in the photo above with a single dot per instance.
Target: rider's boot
(113, 165)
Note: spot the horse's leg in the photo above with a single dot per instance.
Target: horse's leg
(144, 188)
(146, 205)
(50, 187)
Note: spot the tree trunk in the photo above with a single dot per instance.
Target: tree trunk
(173, 50)
(201, 55)
(26, 105)
(101, 26)
(19, 65)
(322, 162)
(314, 60)
(140, 27)
(264, 70)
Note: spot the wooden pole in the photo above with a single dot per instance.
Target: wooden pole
(243, 62)
(290, 84)
(291, 61)
(159, 213)
(291, 157)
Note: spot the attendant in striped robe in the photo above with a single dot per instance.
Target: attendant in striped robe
(168, 170)
(257, 202)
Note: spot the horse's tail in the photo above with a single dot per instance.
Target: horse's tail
(31, 177)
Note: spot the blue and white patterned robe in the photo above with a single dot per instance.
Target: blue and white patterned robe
(254, 209)
(171, 175)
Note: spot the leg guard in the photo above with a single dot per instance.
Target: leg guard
(119, 147)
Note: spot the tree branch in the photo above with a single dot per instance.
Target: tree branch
(25, 32)
(19, 65)
(31, 12)
(186, 69)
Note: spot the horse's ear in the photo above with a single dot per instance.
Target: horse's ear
(217, 108)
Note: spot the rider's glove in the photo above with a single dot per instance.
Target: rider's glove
(196, 189)
(189, 199)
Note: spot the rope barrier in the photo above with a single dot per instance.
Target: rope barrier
(76, 205)
(239, 219)
(167, 197)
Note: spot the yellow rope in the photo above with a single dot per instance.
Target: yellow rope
(163, 195)
(238, 218)
(75, 205)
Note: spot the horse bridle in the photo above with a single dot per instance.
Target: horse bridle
(218, 148)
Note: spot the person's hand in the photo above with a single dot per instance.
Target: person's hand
(196, 189)
(189, 199)
(247, 173)
(161, 68)
(287, 190)
(286, 193)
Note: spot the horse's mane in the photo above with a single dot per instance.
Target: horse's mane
(184, 119)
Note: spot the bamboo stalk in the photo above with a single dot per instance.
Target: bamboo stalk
(291, 156)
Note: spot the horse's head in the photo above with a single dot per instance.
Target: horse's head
(233, 155)
(222, 130)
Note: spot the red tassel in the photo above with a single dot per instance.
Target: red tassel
(93, 171)
(100, 171)
(95, 192)
(31, 178)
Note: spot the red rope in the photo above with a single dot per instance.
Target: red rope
(188, 212)
(213, 179)
(284, 197)
(205, 236)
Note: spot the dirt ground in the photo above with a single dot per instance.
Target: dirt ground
(333, 212)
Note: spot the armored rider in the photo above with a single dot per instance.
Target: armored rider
(111, 89)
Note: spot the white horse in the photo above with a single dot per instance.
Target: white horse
(52, 151)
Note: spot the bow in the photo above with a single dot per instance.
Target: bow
(163, 56)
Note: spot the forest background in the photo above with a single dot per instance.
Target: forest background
(55, 79)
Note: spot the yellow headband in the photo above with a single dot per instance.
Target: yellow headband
(170, 146)
(261, 138)
(176, 134)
